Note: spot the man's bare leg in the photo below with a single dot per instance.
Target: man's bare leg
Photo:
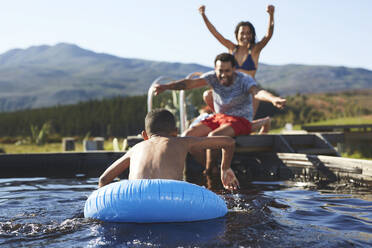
(212, 154)
(255, 104)
(199, 130)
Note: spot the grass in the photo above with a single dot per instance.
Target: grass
(356, 155)
(340, 121)
(57, 147)
(108, 145)
(345, 121)
(360, 120)
(279, 130)
(49, 147)
(31, 148)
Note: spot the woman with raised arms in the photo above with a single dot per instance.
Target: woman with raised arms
(246, 51)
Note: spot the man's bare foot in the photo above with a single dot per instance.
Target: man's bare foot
(266, 124)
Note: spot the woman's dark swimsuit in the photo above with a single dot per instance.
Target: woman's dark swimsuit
(248, 64)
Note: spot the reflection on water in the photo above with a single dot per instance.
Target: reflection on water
(169, 234)
(43, 212)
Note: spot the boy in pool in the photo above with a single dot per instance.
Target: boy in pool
(162, 154)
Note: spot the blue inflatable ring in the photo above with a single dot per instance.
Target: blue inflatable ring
(153, 200)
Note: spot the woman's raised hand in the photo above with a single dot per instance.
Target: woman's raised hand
(270, 9)
(202, 9)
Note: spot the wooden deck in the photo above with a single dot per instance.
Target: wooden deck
(247, 166)
(316, 143)
(257, 157)
(319, 144)
(264, 166)
(330, 168)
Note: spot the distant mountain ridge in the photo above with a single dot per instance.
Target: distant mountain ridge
(291, 79)
(65, 73)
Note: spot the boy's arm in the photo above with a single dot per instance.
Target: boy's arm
(227, 144)
(228, 177)
(261, 44)
(115, 169)
(225, 42)
(183, 84)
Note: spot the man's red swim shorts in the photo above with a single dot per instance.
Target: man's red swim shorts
(240, 125)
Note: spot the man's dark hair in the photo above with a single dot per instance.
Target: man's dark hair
(253, 31)
(160, 121)
(226, 57)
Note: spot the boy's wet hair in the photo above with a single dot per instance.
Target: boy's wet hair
(160, 121)
(226, 57)
(251, 27)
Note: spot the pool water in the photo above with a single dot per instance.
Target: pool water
(45, 212)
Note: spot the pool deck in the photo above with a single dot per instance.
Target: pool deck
(63, 165)
(257, 166)
(316, 143)
(260, 157)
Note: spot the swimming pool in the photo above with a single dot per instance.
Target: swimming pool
(45, 212)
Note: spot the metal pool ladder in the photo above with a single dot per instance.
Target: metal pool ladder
(182, 103)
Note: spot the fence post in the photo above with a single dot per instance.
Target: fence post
(68, 144)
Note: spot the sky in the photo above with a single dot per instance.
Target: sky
(316, 32)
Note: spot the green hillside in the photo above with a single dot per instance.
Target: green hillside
(65, 74)
(120, 117)
(321, 107)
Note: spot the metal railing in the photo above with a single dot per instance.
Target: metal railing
(182, 102)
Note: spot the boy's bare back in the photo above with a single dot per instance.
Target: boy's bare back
(159, 157)
(163, 157)
(162, 154)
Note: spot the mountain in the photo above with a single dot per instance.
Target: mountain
(292, 79)
(65, 73)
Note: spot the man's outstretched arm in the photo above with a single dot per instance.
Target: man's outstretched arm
(183, 84)
(266, 96)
